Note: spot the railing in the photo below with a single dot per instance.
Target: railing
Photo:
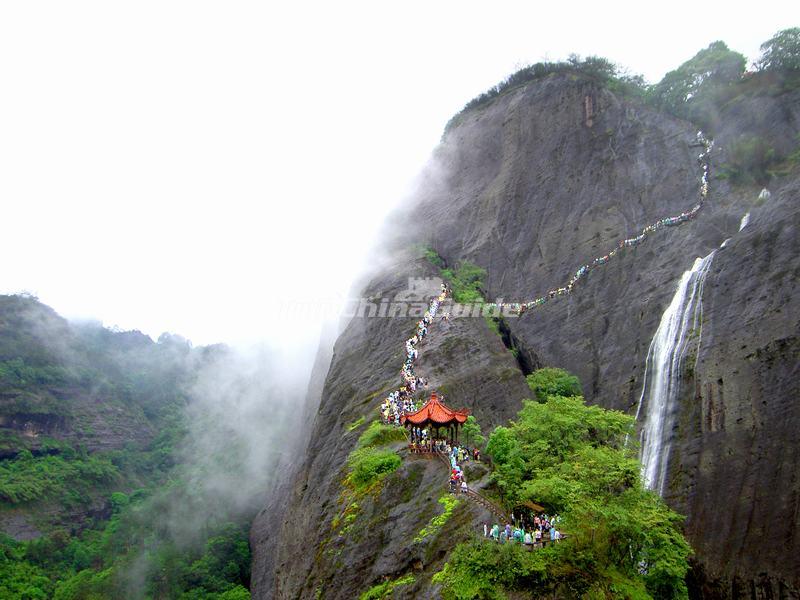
(479, 498)
(473, 495)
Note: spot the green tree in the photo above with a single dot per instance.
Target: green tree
(509, 465)
(471, 433)
(781, 51)
(622, 540)
(550, 381)
(466, 282)
(749, 161)
(692, 90)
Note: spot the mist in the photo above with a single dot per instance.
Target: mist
(243, 424)
(215, 427)
(180, 167)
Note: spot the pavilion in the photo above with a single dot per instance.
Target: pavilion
(436, 415)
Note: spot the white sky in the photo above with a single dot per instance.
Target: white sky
(180, 165)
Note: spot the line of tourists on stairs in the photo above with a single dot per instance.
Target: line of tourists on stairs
(407, 372)
(703, 159)
(457, 479)
(400, 401)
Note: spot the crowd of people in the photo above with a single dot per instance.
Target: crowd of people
(407, 372)
(398, 403)
(401, 401)
(703, 158)
(420, 441)
(458, 454)
(542, 530)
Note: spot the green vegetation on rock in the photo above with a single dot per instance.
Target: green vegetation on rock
(355, 424)
(385, 589)
(432, 256)
(98, 563)
(622, 541)
(466, 282)
(550, 381)
(370, 465)
(750, 159)
(449, 502)
(592, 67)
(695, 89)
(378, 434)
(66, 478)
(94, 462)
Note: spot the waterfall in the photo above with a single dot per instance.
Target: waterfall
(742, 224)
(680, 324)
(745, 220)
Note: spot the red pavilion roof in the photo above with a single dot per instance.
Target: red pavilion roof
(436, 413)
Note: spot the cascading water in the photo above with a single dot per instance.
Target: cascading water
(742, 224)
(745, 221)
(680, 324)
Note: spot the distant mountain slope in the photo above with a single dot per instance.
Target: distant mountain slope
(82, 384)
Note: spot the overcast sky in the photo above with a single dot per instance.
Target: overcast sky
(181, 165)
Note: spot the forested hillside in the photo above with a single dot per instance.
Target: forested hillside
(100, 494)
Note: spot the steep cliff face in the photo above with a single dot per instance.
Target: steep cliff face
(538, 182)
(313, 553)
(735, 474)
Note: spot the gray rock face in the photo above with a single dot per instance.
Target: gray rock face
(530, 188)
(310, 553)
(736, 470)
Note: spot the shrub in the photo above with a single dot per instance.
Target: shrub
(432, 256)
(436, 523)
(471, 433)
(480, 569)
(494, 324)
(355, 424)
(622, 540)
(378, 434)
(16, 373)
(466, 282)
(370, 465)
(26, 478)
(749, 160)
(384, 590)
(553, 382)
